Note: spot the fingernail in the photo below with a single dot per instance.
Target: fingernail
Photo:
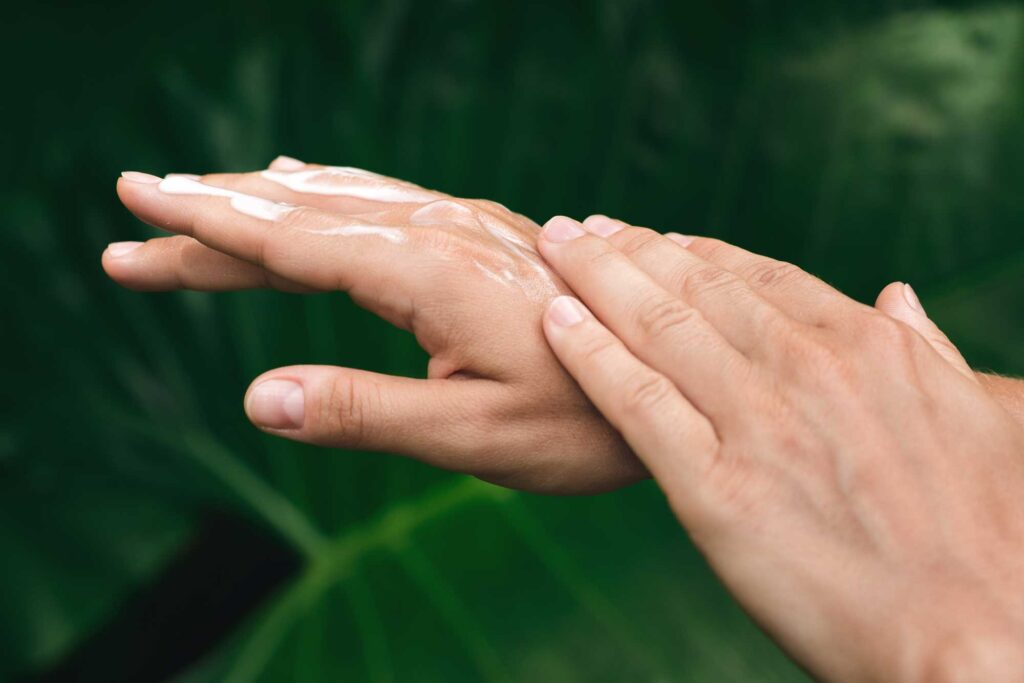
(602, 225)
(117, 249)
(283, 163)
(684, 240)
(562, 229)
(190, 176)
(277, 404)
(566, 311)
(136, 177)
(911, 296)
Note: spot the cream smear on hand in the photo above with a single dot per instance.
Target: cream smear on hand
(343, 181)
(267, 210)
(393, 235)
(257, 207)
(516, 254)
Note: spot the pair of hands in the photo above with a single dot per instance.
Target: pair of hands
(837, 467)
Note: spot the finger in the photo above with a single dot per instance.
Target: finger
(662, 330)
(286, 163)
(332, 188)
(310, 247)
(899, 301)
(673, 439)
(180, 262)
(726, 300)
(438, 421)
(794, 291)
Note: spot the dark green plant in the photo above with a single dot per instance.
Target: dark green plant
(867, 144)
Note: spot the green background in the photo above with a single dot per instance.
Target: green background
(148, 532)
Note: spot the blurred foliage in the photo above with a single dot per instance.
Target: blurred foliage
(865, 141)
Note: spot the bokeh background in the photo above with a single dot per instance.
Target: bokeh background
(148, 533)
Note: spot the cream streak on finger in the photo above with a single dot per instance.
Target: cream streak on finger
(349, 182)
(256, 207)
(512, 262)
(264, 209)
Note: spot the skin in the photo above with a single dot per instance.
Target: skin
(495, 403)
(798, 434)
(494, 390)
(836, 468)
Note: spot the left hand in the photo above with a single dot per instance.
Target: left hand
(461, 274)
(858, 493)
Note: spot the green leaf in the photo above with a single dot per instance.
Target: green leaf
(866, 143)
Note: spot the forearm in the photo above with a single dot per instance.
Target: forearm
(1008, 391)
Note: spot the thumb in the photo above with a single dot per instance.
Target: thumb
(898, 300)
(434, 420)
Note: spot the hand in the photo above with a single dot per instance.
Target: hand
(899, 301)
(462, 275)
(859, 495)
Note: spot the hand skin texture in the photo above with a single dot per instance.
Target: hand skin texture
(462, 275)
(856, 488)
(496, 403)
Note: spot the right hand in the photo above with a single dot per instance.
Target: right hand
(784, 285)
(858, 494)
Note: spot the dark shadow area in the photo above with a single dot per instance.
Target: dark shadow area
(224, 573)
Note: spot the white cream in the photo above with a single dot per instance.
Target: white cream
(179, 184)
(444, 212)
(349, 182)
(393, 235)
(516, 254)
(257, 207)
(515, 263)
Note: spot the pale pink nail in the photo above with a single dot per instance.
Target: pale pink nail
(684, 240)
(190, 176)
(911, 296)
(603, 226)
(118, 249)
(136, 177)
(283, 163)
(562, 229)
(566, 311)
(277, 404)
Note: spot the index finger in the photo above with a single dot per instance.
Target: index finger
(305, 245)
(794, 290)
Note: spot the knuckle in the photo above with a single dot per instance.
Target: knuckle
(658, 316)
(709, 248)
(600, 257)
(595, 350)
(633, 241)
(646, 395)
(892, 336)
(343, 411)
(695, 279)
(710, 277)
(825, 362)
(300, 217)
(188, 256)
(772, 273)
